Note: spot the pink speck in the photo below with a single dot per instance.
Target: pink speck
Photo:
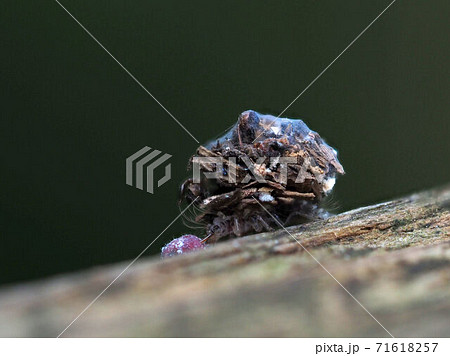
(183, 244)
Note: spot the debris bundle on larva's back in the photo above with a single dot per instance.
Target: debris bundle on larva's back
(263, 168)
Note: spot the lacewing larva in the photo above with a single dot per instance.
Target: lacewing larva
(276, 162)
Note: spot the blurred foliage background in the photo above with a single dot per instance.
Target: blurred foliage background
(71, 115)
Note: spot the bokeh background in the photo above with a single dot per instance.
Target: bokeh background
(71, 115)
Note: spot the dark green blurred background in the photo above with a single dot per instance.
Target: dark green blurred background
(71, 115)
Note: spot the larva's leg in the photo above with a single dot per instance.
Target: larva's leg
(256, 225)
(237, 229)
(264, 223)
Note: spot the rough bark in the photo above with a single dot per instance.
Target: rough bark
(392, 257)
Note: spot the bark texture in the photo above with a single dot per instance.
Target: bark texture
(394, 258)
